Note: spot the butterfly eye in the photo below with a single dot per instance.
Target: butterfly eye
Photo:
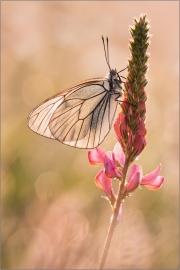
(113, 72)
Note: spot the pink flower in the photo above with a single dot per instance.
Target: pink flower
(134, 178)
(116, 127)
(142, 129)
(111, 170)
(139, 144)
(152, 180)
(110, 160)
(137, 122)
(142, 108)
(124, 128)
(119, 154)
(130, 113)
(129, 144)
(125, 107)
(113, 163)
(96, 156)
(105, 184)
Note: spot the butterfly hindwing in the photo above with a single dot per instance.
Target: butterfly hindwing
(79, 125)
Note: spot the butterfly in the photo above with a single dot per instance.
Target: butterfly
(82, 115)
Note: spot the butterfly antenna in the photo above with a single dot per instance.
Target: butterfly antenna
(122, 70)
(108, 53)
(107, 58)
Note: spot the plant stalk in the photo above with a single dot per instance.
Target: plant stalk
(113, 222)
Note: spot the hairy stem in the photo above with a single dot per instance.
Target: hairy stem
(114, 217)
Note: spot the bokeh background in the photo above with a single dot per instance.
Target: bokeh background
(53, 216)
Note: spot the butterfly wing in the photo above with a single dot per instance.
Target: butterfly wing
(81, 116)
(39, 118)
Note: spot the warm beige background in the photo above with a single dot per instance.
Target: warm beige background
(53, 214)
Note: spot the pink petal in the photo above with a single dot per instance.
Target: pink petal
(134, 170)
(153, 175)
(96, 156)
(99, 180)
(130, 141)
(124, 127)
(142, 129)
(152, 180)
(130, 113)
(119, 154)
(139, 144)
(133, 178)
(105, 184)
(142, 108)
(111, 169)
(133, 183)
(155, 184)
(117, 127)
(137, 119)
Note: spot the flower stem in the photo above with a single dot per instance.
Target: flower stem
(114, 216)
(131, 121)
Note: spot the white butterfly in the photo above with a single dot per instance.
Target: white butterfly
(82, 115)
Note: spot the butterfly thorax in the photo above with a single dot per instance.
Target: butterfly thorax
(114, 81)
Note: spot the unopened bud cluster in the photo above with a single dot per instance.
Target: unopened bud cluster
(131, 121)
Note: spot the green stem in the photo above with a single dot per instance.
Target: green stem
(114, 217)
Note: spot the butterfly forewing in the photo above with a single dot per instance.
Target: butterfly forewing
(39, 118)
(80, 116)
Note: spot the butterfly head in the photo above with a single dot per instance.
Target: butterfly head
(113, 72)
(114, 76)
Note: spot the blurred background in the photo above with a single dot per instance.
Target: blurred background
(53, 216)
